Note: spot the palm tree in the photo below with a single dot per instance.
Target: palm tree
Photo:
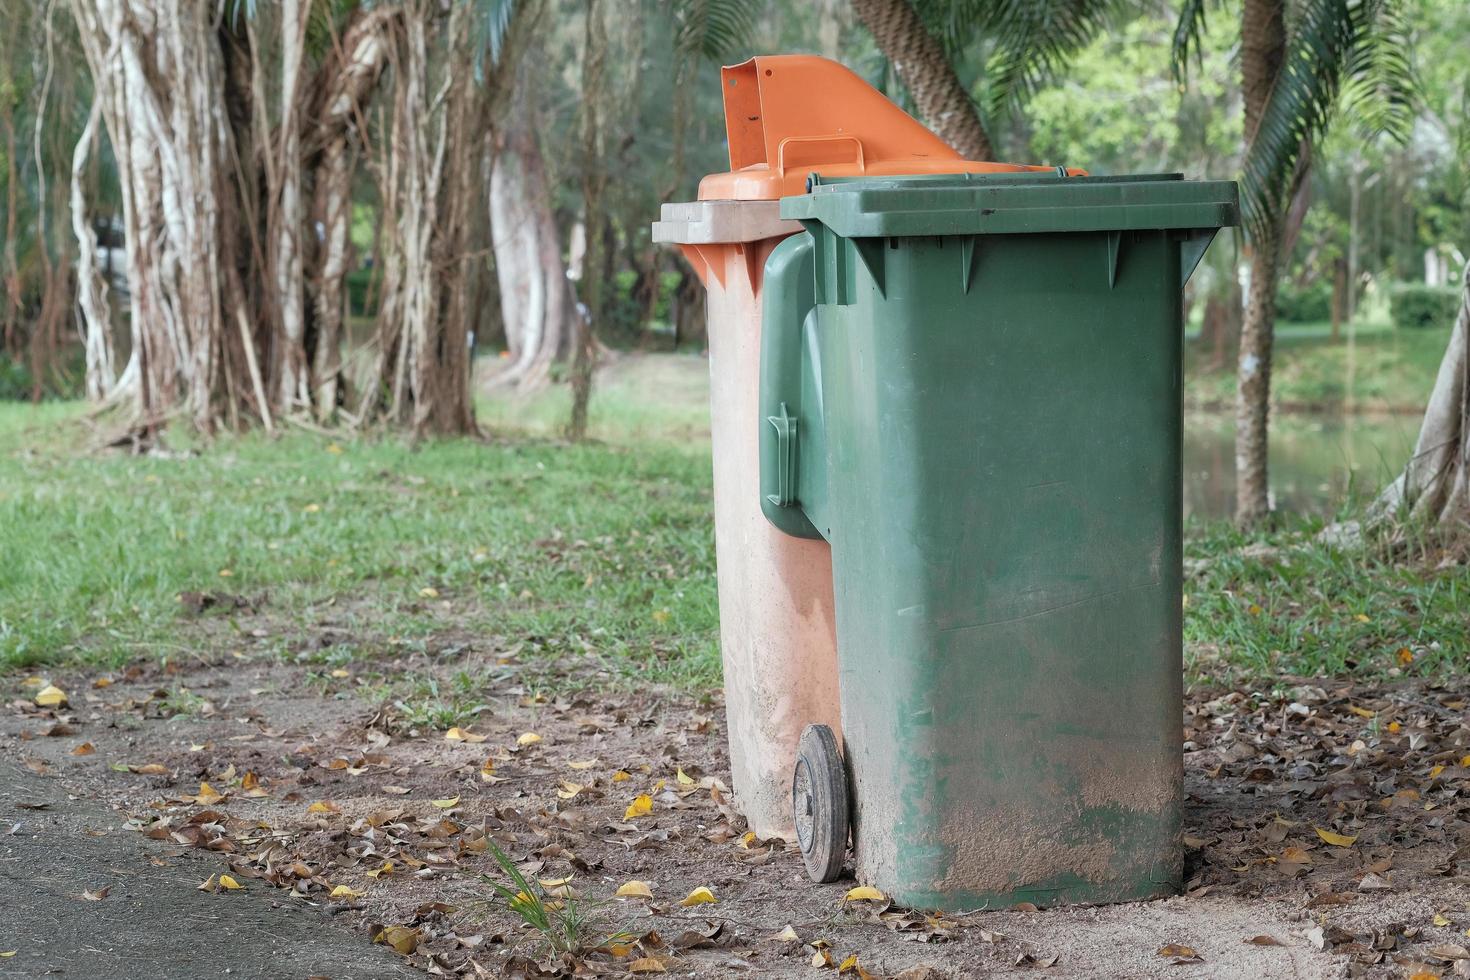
(1301, 62)
(1025, 43)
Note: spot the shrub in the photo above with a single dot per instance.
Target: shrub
(1305, 304)
(1419, 306)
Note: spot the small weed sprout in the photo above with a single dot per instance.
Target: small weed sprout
(566, 925)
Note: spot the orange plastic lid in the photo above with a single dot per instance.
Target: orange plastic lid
(789, 115)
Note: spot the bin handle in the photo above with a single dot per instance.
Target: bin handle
(785, 427)
(805, 152)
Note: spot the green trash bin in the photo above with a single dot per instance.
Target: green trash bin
(971, 387)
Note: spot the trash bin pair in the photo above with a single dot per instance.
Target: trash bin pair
(946, 419)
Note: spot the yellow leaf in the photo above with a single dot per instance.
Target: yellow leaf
(1435, 771)
(1254, 609)
(1361, 712)
(620, 777)
(646, 964)
(848, 964)
(683, 779)
(149, 769)
(700, 896)
(788, 935)
(748, 838)
(1441, 921)
(569, 790)
(228, 883)
(1336, 840)
(642, 804)
(312, 508)
(1394, 727)
(1362, 618)
(429, 592)
(7, 954)
(453, 801)
(339, 673)
(86, 748)
(1177, 951)
(1406, 656)
(342, 891)
(661, 616)
(386, 869)
(324, 806)
(582, 764)
(334, 449)
(207, 795)
(528, 738)
(462, 735)
(33, 681)
(863, 893)
(634, 889)
(102, 682)
(821, 959)
(487, 772)
(51, 696)
(225, 573)
(401, 938)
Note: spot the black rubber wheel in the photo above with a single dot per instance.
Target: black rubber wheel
(819, 800)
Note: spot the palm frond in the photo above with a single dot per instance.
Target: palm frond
(1299, 106)
(490, 25)
(1337, 49)
(1188, 35)
(1030, 42)
(1380, 92)
(713, 29)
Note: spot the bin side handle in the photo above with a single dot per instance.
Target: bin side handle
(786, 299)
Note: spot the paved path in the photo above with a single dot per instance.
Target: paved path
(154, 923)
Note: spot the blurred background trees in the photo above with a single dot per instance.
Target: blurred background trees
(363, 212)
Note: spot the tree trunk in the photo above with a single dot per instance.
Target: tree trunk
(343, 86)
(1435, 485)
(594, 178)
(1263, 50)
(918, 58)
(158, 73)
(286, 219)
(95, 315)
(535, 299)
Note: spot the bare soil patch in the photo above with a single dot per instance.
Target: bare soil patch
(1326, 827)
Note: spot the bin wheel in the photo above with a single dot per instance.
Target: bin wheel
(819, 800)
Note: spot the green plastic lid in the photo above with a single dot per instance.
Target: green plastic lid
(1012, 204)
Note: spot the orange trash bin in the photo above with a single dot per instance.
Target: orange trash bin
(786, 116)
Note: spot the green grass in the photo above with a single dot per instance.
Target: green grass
(1281, 602)
(589, 564)
(1381, 369)
(595, 551)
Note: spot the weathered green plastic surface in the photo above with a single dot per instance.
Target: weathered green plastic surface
(1000, 482)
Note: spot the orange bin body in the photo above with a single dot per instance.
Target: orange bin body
(786, 116)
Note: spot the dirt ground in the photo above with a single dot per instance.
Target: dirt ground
(1327, 833)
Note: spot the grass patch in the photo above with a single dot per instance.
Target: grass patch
(1281, 602)
(591, 550)
(1382, 369)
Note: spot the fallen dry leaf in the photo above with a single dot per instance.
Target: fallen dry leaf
(634, 889)
(86, 748)
(96, 894)
(863, 893)
(401, 938)
(642, 805)
(453, 801)
(646, 964)
(1335, 839)
(229, 884)
(528, 738)
(700, 896)
(51, 696)
(343, 891)
(463, 735)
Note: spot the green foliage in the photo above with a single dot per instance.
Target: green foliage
(359, 303)
(1303, 304)
(1417, 306)
(713, 29)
